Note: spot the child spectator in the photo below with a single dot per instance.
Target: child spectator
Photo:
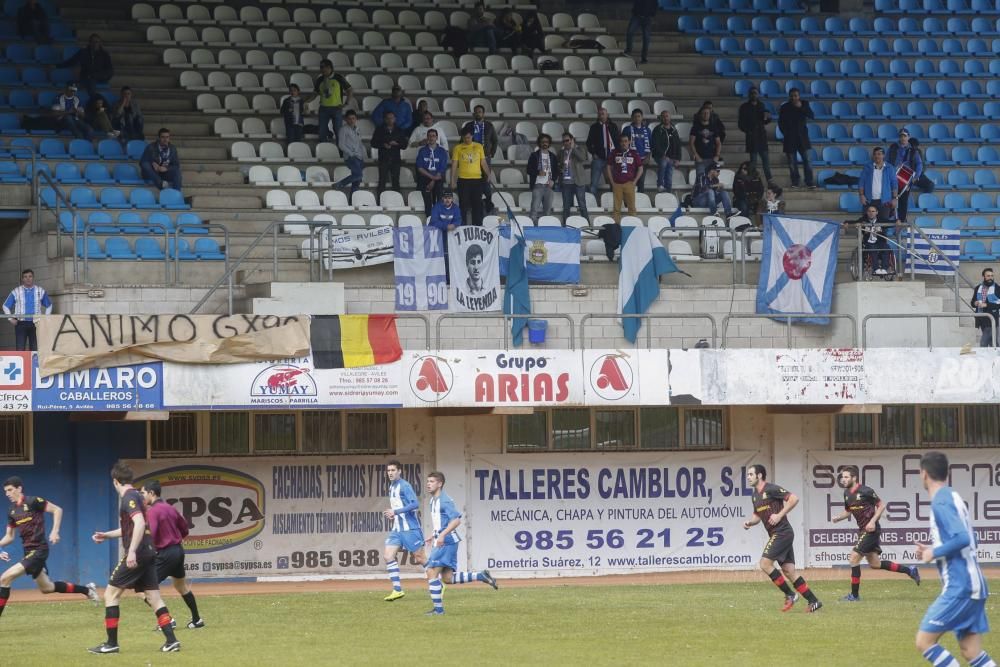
(293, 113)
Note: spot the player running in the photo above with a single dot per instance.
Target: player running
(27, 515)
(961, 607)
(406, 534)
(137, 570)
(169, 529)
(443, 561)
(771, 505)
(866, 507)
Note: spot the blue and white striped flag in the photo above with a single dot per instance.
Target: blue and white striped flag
(420, 275)
(553, 253)
(643, 261)
(926, 259)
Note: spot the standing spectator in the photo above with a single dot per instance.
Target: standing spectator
(902, 153)
(418, 136)
(485, 135)
(94, 64)
(432, 166)
(126, 117)
(25, 302)
(399, 106)
(541, 166)
(601, 142)
(754, 119)
(334, 93)
(98, 119)
(468, 170)
(160, 164)
(793, 118)
(353, 151)
(532, 34)
(623, 171)
(772, 202)
(641, 138)
(878, 184)
(572, 180)
(389, 140)
(68, 113)
(748, 189)
(709, 193)
(643, 12)
(446, 215)
(293, 111)
(33, 22)
(482, 31)
(985, 299)
(704, 142)
(666, 151)
(713, 118)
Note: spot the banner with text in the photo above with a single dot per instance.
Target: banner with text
(119, 388)
(354, 248)
(15, 382)
(261, 517)
(421, 280)
(474, 266)
(611, 513)
(895, 476)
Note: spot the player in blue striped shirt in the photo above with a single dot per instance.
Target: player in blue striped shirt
(443, 562)
(406, 534)
(961, 607)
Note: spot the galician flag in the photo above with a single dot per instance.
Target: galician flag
(643, 261)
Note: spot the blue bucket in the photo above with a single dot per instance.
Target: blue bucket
(536, 330)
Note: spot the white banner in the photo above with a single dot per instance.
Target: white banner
(930, 260)
(261, 517)
(15, 382)
(611, 513)
(474, 264)
(895, 476)
(353, 248)
(421, 283)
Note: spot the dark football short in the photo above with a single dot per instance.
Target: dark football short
(140, 578)
(868, 543)
(170, 562)
(779, 548)
(34, 562)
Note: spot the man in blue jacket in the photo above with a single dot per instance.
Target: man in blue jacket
(900, 153)
(446, 216)
(878, 184)
(432, 166)
(398, 105)
(160, 164)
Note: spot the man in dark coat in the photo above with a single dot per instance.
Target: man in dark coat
(754, 119)
(94, 64)
(793, 118)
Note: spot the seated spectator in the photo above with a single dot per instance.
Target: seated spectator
(639, 134)
(541, 166)
(293, 111)
(985, 299)
(572, 179)
(704, 144)
(353, 151)
(481, 30)
(748, 189)
(418, 114)
(94, 64)
(446, 216)
(126, 117)
(509, 31)
(400, 108)
(666, 150)
(68, 113)
(389, 140)
(160, 164)
(432, 166)
(623, 171)
(709, 193)
(874, 243)
(532, 34)
(98, 119)
(418, 137)
(33, 22)
(772, 201)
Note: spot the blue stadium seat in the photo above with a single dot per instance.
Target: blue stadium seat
(937, 155)
(143, 198)
(22, 99)
(810, 25)
(960, 27)
(925, 68)
(958, 180)
(20, 53)
(886, 6)
(82, 149)
(982, 25)
(34, 77)
(100, 222)
(946, 89)
(110, 149)
(83, 198)
(148, 248)
(949, 67)
(754, 44)
(799, 67)
(929, 47)
(771, 89)
(824, 67)
(47, 196)
(836, 26)
(725, 67)
(845, 89)
(935, 177)
(688, 24)
(928, 201)
(844, 111)
(160, 222)
(979, 225)
(713, 25)
(934, 27)
(804, 46)
(127, 174)
(820, 89)
(966, 133)
(181, 249)
(851, 68)
(69, 223)
(903, 47)
(917, 110)
(837, 132)
(984, 202)
(975, 47)
(925, 221)
(871, 88)
(876, 47)
(860, 26)
(989, 132)
(172, 199)
(862, 132)
(69, 173)
(52, 149)
(987, 155)
(858, 155)
(849, 202)
(742, 88)
(135, 148)
(748, 67)
(131, 222)
(939, 132)
(97, 174)
(951, 222)
(943, 110)
(798, 84)
(887, 26)
(93, 248)
(986, 179)
(852, 47)
(974, 251)
(707, 46)
(891, 109)
(958, 7)
(956, 201)
(114, 198)
(764, 26)
(775, 67)
(818, 107)
(876, 68)
(984, 6)
(786, 25)
(887, 132)
(11, 173)
(118, 248)
(208, 249)
(191, 223)
(834, 156)
(934, 7)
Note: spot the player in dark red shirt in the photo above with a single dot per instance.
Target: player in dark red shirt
(137, 570)
(866, 507)
(771, 505)
(27, 516)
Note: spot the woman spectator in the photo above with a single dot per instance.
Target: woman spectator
(97, 117)
(509, 31)
(532, 34)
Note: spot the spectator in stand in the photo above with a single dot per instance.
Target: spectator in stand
(418, 113)
(541, 166)
(666, 145)
(293, 112)
(748, 189)
(601, 142)
(623, 171)
(754, 119)
(98, 119)
(709, 193)
(26, 301)
(389, 140)
(793, 121)
(532, 34)
(509, 31)
(353, 151)
(572, 180)
(399, 106)
(717, 125)
(334, 94)
(418, 136)
(68, 113)
(432, 167)
(878, 184)
(902, 153)
(446, 215)
(160, 164)
(874, 243)
(126, 117)
(468, 170)
(704, 143)
(33, 22)
(772, 202)
(482, 31)
(985, 299)
(643, 12)
(641, 138)
(484, 134)
(94, 64)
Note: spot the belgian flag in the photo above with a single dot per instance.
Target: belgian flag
(350, 341)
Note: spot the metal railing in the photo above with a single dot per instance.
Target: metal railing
(60, 198)
(929, 317)
(789, 318)
(225, 240)
(420, 318)
(648, 325)
(956, 274)
(445, 317)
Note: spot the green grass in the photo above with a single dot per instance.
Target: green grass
(684, 625)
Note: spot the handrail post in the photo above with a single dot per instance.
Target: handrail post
(274, 256)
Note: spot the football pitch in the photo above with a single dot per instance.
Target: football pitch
(671, 624)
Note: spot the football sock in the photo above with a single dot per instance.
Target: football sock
(802, 587)
(4, 596)
(467, 577)
(393, 568)
(894, 567)
(192, 605)
(779, 580)
(855, 580)
(111, 624)
(63, 587)
(939, 657)
(163, 620)
(982, 660)
(434, 586)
